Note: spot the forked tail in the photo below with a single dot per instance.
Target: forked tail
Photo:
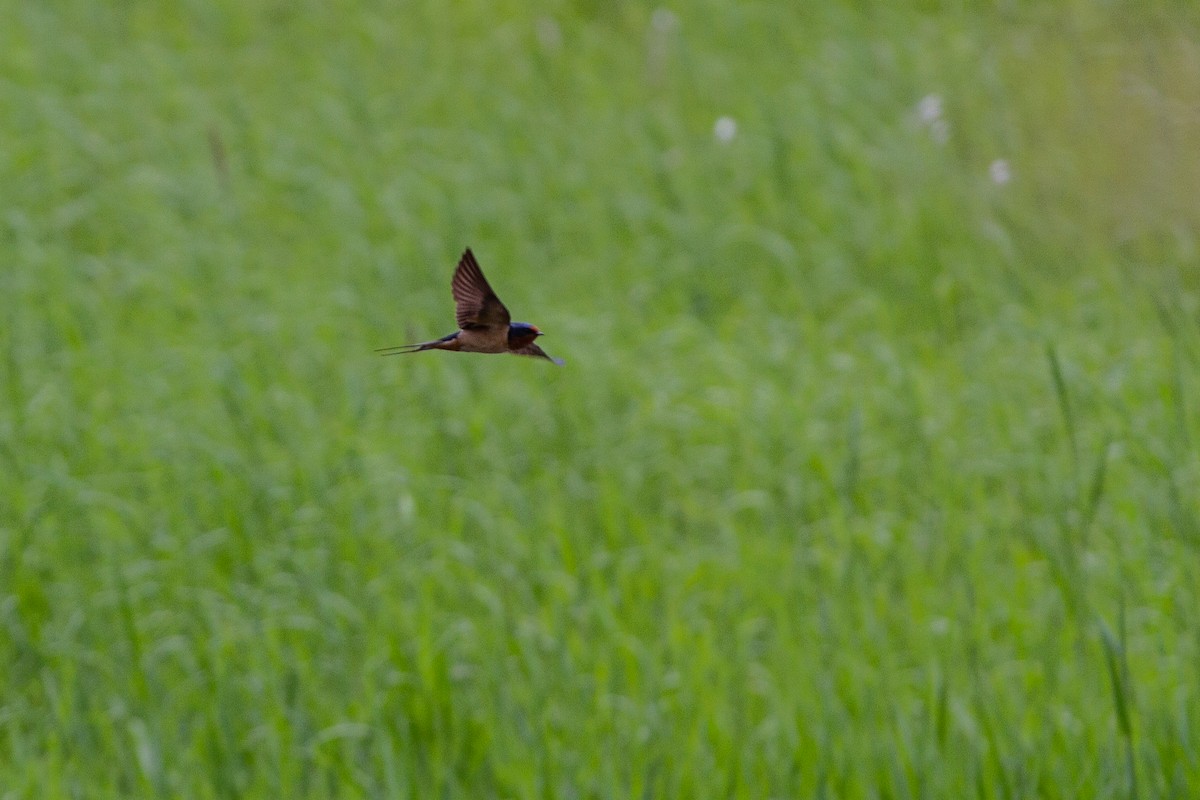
(436, 344)
(405, 348)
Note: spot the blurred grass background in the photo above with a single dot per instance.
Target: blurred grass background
(872, 472)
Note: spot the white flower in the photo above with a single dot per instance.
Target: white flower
(929, 110)
(929, 114)
(1000, 171)
(725, 129)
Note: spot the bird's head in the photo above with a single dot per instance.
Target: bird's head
(524, 329)
(522, 334)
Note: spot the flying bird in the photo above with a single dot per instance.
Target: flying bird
(483, 322)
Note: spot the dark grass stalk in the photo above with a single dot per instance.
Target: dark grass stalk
(220, 158)
(1122, 689)
(1064, 405)
(942, 708)
(1096, 489)
(1182, 347)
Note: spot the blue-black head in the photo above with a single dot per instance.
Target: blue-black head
(523, 329)
(522, 333)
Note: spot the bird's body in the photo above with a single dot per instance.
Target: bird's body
(483, 321)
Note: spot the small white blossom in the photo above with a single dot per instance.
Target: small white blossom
(725, 129)
(1000, 171)
(929, 110)
(929, 114)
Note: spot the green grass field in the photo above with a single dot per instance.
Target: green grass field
(873, 471)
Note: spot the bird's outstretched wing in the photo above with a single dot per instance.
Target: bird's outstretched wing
(534, 350)
(476, 305)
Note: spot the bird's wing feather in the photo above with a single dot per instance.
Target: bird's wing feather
(476, 305)
(534, 350)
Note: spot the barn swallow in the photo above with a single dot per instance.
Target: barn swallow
(483, 321)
